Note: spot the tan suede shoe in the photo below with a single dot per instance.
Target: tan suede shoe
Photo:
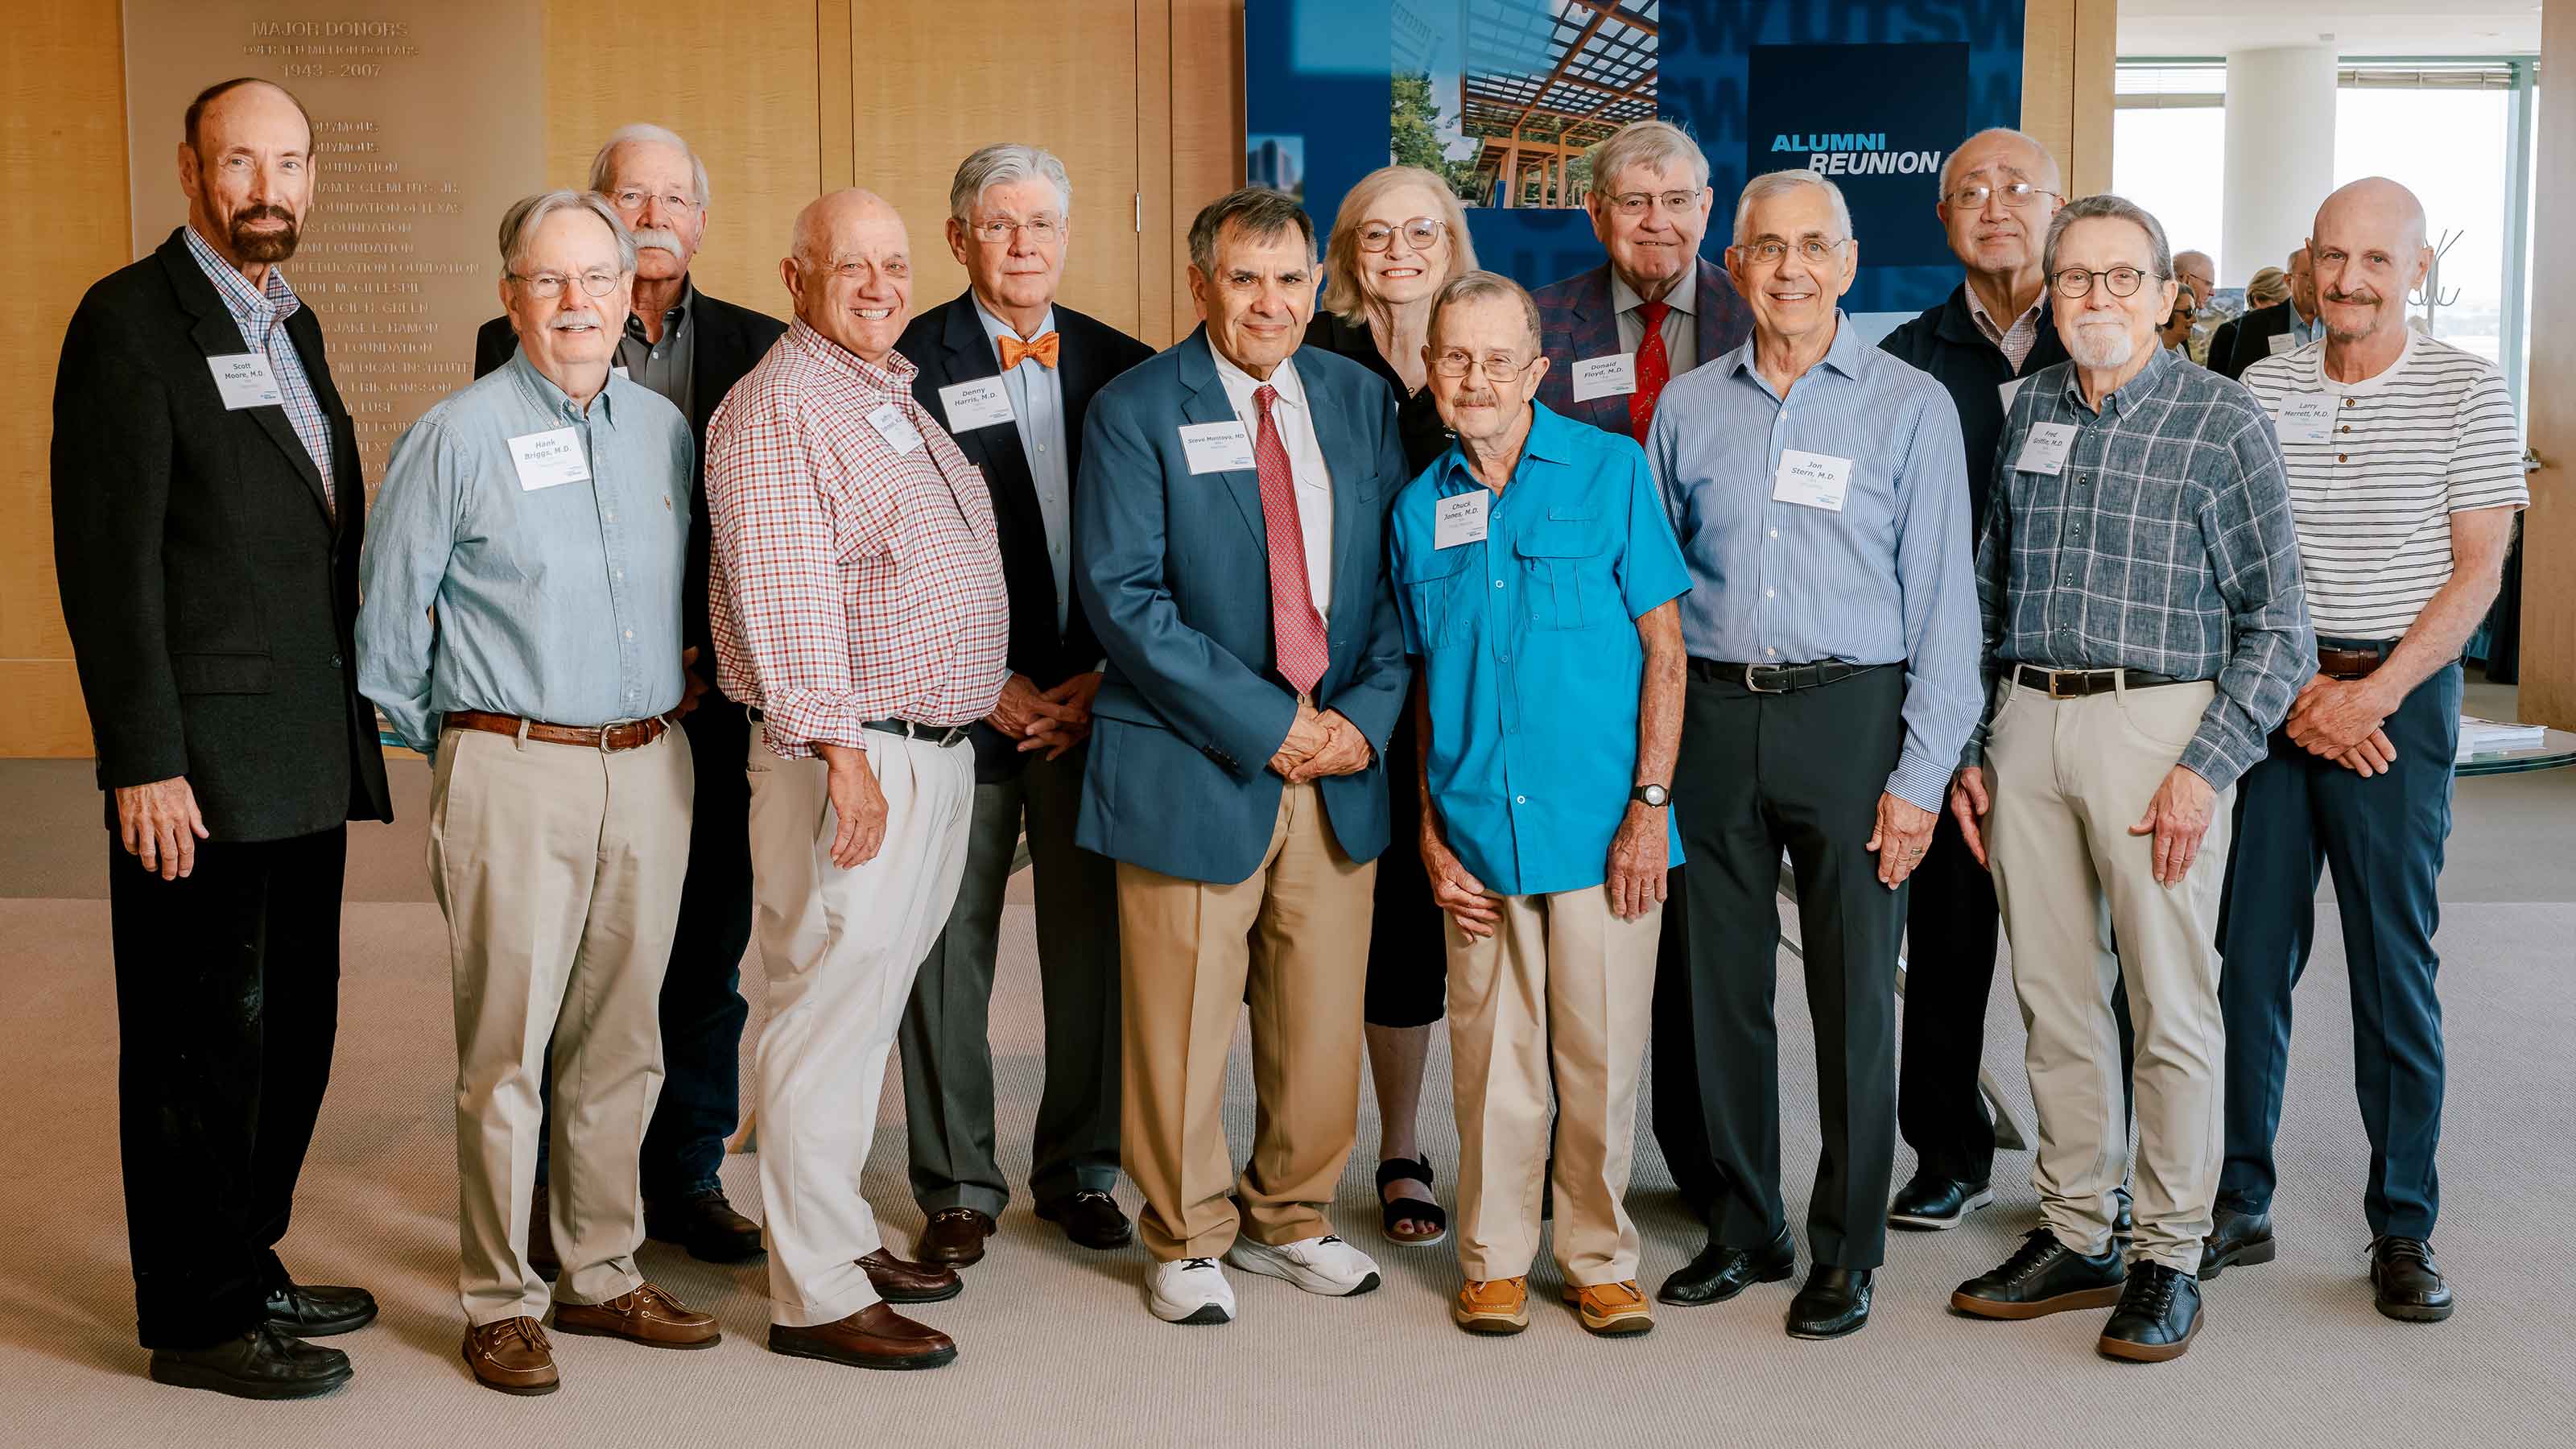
(648, 1316)
(1495, 1305)
(1611, 1308)
(512, 1356)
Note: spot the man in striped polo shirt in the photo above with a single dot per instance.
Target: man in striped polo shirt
(2405, 471)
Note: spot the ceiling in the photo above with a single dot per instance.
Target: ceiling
(2353, 27)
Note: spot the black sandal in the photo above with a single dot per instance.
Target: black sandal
(1411, 1209)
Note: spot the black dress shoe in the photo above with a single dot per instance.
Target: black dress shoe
(705, 1224)
(954, 1237)
(2159, 1311)
(318, 1310)
(2124, 1214)
(2043, 1276)
(260, 1364)
(1933, 1201)
(1833, 1302)
(1721, 1272)
(2236, 1238)
(2406, 1283)
(1091, 1218)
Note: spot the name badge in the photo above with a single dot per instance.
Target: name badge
(2010, 390)
(1216, 447)
(2306, 417)
(549, 459)
(1612, 376)
(245, 382)
(2278, 343)
(977, 404)
(1811, 480)
(1461, 519)
(2045, 448)
(894, 427)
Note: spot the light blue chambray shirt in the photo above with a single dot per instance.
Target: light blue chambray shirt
(559, 604)
(1887, 580)
(1037, 411)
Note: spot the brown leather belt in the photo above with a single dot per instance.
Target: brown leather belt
(2348, 663)
(609, 739)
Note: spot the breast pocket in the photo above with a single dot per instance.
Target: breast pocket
(1440, 590)
(1565, 571)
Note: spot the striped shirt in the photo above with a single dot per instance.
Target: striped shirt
(261, 313)
(2374, 488)
(2016, 341)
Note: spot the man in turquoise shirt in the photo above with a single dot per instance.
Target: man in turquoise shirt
(1536, 578)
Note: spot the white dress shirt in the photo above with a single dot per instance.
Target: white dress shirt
(1681, 324)
(1037, 414)
(1296, 424)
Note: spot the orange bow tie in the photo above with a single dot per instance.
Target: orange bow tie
(1014, 351)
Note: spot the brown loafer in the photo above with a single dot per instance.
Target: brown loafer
(511, 1355)
(647, 1315)
(900, 1282)
(955, 1236)
(875, 1337)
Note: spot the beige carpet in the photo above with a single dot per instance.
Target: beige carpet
(1057, 1347)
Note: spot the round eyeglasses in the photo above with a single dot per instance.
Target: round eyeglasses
(2074, 282)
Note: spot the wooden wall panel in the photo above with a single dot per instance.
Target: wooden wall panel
(1204, 87)
(2548, 661)
(2069, 53)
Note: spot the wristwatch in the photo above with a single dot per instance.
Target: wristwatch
(1656, 797)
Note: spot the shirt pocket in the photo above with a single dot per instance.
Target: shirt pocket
(1566, 566)
(1440, 589)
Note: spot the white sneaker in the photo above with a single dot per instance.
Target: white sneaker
(1191, 1290)
(1325, 1265)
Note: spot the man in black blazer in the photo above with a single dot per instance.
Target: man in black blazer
(1011, 374)
(208, 511)
(691, 349)
(2294, 322)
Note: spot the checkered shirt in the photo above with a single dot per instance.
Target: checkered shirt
(851, 582)
(261, 314)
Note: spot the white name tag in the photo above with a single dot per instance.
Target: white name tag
(894, 427)
(1610, 376)
(2009, 390)
(1811, 480)
(243, 378)
(2045, 448)
(2306, 417)
(1216, 447)
(977, 404)
(1461, 519)
(2278, 343)
(549, 459)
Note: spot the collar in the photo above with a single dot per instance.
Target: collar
(673, 320)
(1845, 354)
(1283, 377)
(265, 305)
(1986, 320)
(1683, 298)
(555, 402)
(2160, 360)
(995, 329)
(894, 375)
(1552, 439)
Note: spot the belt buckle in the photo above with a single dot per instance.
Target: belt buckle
(2053, 676)
(1758, 689)
(603, 737)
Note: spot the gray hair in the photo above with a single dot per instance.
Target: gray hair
(1655, 144)
(1775, 183)
(529, 212)
(1258, 210)
(2117, 208)
(1478, 286)
(1001, 165)
(645, 132)
(2056, 178)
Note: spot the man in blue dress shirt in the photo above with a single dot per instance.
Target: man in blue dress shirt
(1819, 488)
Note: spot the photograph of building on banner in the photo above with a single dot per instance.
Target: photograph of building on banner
(1506, 98)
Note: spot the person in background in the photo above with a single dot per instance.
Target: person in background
(2271, 331)
(2175, 335)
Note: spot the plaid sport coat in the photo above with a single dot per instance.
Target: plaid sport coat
(1576, 321)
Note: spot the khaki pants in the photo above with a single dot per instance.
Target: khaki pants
(1297, 932)
(559, 869)
(1563, 991)
(2069, 777)
(840, 948)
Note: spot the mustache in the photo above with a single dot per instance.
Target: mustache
(563, 321)
(660, 238)
(2355, 297)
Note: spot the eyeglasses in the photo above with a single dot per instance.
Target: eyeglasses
(1972, 197)
(631, 199)
(546, 286)
(1422, 233)
(1042, 231)
(1635, 203)
(1768, 251)
(2074, 282)
(1499, 366)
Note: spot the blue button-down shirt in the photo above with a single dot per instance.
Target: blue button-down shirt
(1037, 412)
(559, 604)
(1885, 580)
(1530, 651)
(261, 313)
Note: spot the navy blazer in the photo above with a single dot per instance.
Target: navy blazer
(1577, 321)
(1173, 571)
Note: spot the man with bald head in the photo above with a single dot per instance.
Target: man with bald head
(2271, 331)
(2196, 271)
(861, 616)
(2405, 471)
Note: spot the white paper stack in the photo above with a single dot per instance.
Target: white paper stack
(2490, 737)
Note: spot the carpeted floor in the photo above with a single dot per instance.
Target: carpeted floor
(1057, 1347)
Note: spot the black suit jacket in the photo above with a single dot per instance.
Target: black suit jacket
(948, 344)
(729, 341)
(209, 590)
(1946, 342)
(2254, 333)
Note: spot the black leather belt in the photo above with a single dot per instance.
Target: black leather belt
(1780, 678)
(943, 736)
(2077, 683)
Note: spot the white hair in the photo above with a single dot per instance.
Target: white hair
(525, 214)
(646, 133)
(2056, 180)
(1000, 165)
(1652, 144)
(1774, 183)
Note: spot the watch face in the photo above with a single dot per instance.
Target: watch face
(1654, 795)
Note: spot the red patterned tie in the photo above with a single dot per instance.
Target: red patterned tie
(1653, 368)
(1296, 630)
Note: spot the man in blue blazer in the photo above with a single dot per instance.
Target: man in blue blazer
(1229, 538)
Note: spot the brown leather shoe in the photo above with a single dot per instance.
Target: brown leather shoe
(955, 1236)
(900, 1282)
(541, 1237)
(647, 1315)
(875, 1337)
(511, 1355)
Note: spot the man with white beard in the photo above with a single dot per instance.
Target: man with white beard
(2139, 585)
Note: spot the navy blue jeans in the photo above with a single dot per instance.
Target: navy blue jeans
(2296, 816)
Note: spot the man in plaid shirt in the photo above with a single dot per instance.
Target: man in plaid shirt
(2139, 580)
(860, 615)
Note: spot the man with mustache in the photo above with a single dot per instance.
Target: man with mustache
(522, 626)
(691, 348)
(2139, 585)
(2405, 469)
(208, 512)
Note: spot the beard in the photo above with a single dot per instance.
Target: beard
(262, 246)
(2101, 344)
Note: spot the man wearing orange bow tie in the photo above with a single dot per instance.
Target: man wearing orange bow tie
(1010, 374)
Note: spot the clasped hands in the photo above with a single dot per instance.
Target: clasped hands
(2340, 720)
(1053, 720)
(1320, 743)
